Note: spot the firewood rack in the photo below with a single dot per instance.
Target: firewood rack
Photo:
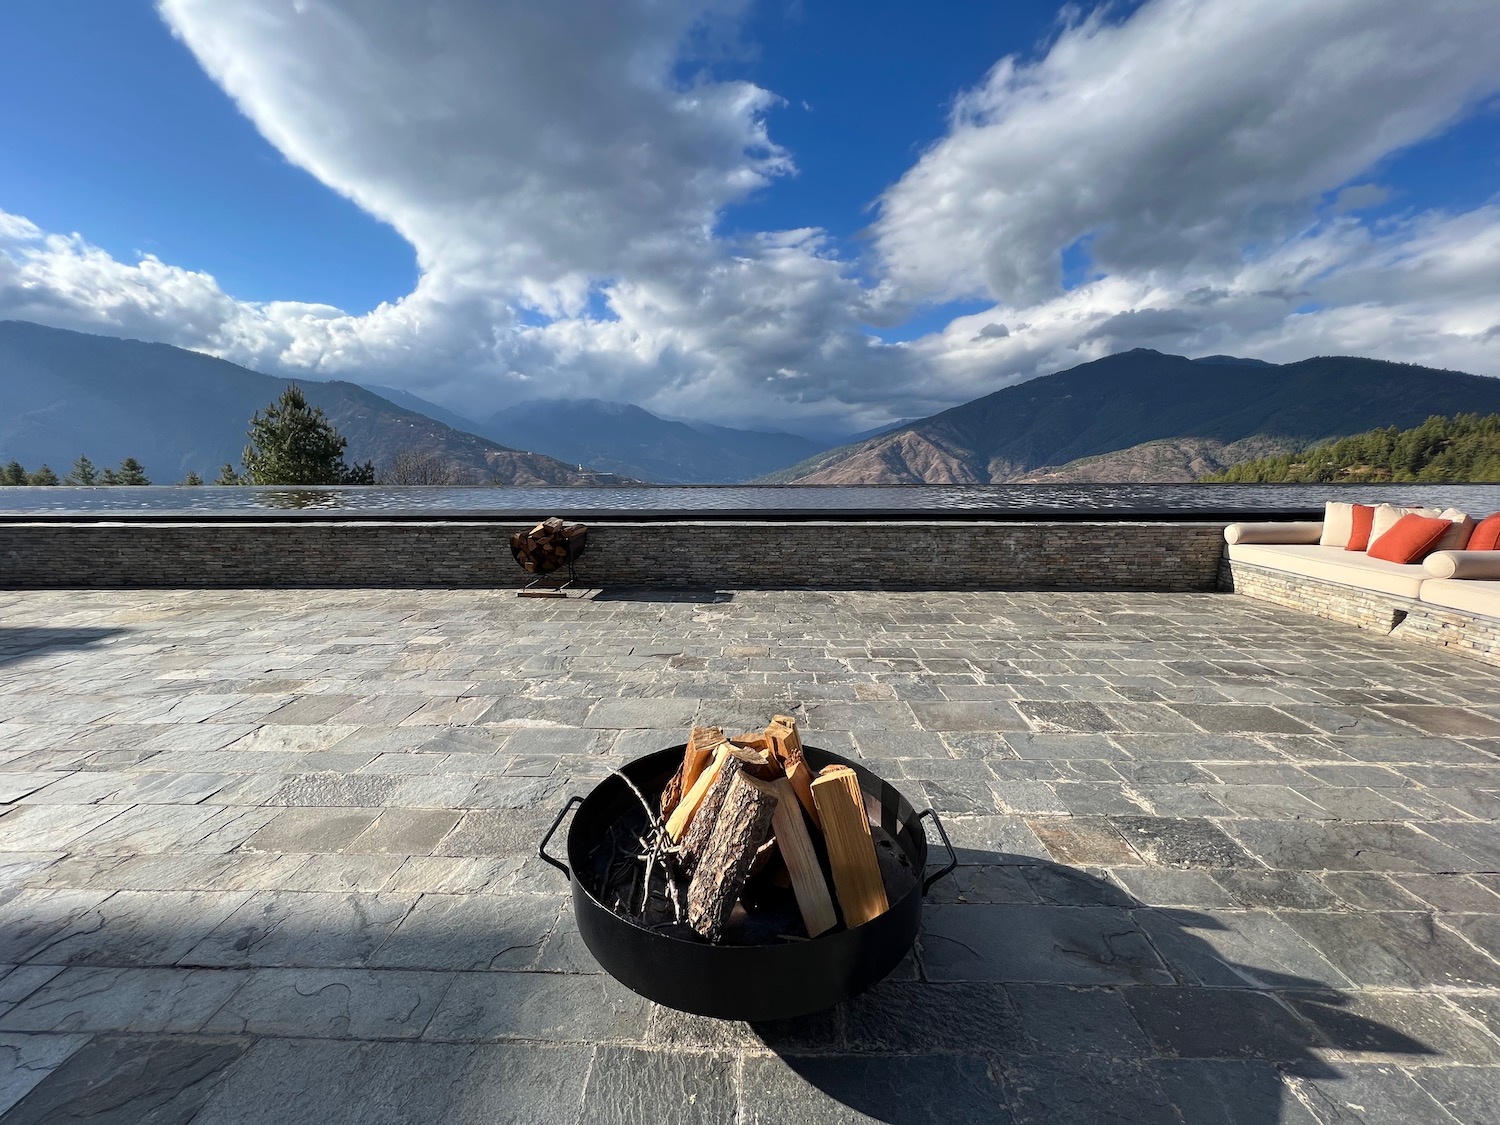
(547, 583)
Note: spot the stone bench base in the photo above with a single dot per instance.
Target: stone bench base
(1402, 618)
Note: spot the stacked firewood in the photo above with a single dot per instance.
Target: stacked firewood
(546, 546)
(736, 805)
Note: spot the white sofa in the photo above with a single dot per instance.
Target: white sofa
(1452, 597)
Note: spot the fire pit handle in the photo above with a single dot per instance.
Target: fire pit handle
(541, 849)
(952, 855)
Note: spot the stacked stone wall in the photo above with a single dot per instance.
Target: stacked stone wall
(1104, 555)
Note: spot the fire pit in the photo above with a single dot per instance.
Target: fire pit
(760, 969)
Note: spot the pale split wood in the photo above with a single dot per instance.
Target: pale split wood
(687, 809)
(700, 749)
(808, 883)
(851, 849)
(786, 743)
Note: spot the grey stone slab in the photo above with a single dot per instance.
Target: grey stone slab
(121, 1080)
(1219, 1023)
(341, 873)
(1343, 846)
(312, 830)
(27, 1059)
(470, 932)
(1181, 842)
(121, 999)
(1049, 1089)
(1371, 1095)
(357, 790)
(399, 1083)
(1230, 1092)
(405, 832)
(864, 716)
(643, 1087)
(963, 715)
(37, 828)
(989, 840)
(913, 1017)
(143, 829)
(1467, 1093)
(29, 918)
(541, 1007)
(1237, 949)
(1065, 1019)
(626, 714)
(915, 1089)
(297, 929)
(495, 833)
(1050, 944)
(1412, 1027)
(331, 1003)
(137, 928)
(1172, 886)
(1396, 950)
(1297, 890)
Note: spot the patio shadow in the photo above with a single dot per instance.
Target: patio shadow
(1041, 992)
(24, 644)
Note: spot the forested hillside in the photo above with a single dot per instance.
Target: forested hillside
(1463, 448)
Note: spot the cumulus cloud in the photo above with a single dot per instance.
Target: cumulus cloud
(1174, 140)
(563, 185)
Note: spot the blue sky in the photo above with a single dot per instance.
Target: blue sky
(816, 214)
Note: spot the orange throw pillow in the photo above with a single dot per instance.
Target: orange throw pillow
(1359, 535)
(1486, 536)
(1411, 540)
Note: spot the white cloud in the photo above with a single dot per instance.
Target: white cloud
(563, 187)
(1176, 139)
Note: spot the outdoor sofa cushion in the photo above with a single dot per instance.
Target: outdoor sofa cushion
(1486, 534)
(1462, 564)
(1332, 564)
(1411, 540)
(1273, 533)
(1476, 596)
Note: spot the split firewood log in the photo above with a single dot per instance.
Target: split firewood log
(741, 827)
(695, 759)
(758, 763)
(808, 883)
(851, 849)
(786, 744)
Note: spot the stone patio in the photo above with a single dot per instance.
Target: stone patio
(269, 856)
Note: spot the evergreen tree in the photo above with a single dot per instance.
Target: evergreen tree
(108, 476)
(133, 472)
(227, 475)
(83, 473)
(192, 479)
(294, 443)
(1465, 447)
(44, 475)
(13, 473)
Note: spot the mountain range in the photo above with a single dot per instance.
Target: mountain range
(63, 394)
(1146, 416)
(618, 438)
(1137, 416)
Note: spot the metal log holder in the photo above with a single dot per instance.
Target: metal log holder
(545, 584)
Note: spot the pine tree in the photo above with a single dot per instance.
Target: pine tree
(192, 480)
(44, 475)
(82, 473)
(227, 475)
(133, 472)
(108, 476)
(294, 443)
(13, 473)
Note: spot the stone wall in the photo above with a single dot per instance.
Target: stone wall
(1365, 608)
(1104, 555)
(1401, 618)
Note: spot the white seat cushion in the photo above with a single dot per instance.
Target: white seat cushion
(1333, 564)
(1469, 595)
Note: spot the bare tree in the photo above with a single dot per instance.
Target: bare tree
(416, 466)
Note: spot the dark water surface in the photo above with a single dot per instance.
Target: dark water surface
(728, 501)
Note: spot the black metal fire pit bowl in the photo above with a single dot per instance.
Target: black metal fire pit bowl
(744, 982)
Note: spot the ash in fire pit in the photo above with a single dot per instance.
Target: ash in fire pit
(744, 845)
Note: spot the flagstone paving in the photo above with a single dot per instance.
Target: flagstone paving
(271, 856)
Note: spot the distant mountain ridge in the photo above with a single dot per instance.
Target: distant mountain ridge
(65, 393)
(620, 438)
(1094, 419)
